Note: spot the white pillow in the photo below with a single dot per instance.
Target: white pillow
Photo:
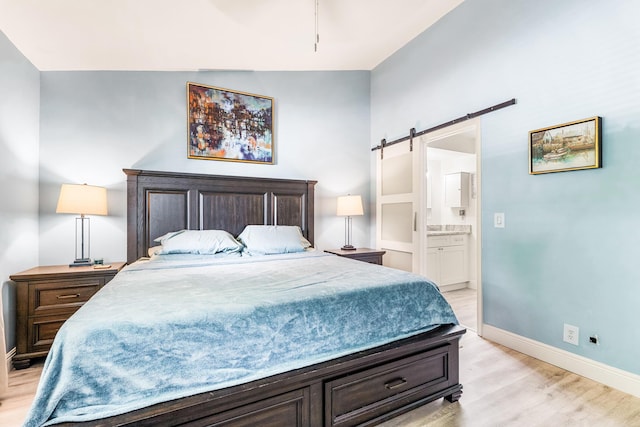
(273, 239)
(168, 235)
(204, 242)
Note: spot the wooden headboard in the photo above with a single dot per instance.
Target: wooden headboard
(159, 202)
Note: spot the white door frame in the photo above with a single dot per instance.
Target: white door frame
(468, 126)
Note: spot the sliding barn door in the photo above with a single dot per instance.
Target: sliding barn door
(397, 205)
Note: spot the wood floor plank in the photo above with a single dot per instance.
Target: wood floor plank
(17, 401)
(464, 302)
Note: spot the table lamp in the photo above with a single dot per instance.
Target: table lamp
(349, 206)
(82, 200)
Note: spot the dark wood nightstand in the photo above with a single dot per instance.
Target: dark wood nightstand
(46, 297)
(372, 256)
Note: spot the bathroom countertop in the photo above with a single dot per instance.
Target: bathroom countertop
(446, 230)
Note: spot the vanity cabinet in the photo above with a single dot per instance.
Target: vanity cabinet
(447, 259)
(456, 190)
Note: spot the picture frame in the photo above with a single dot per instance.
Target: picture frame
(570, 146)
(228, 125)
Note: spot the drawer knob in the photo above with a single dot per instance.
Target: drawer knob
(68, 296)
(393, 384)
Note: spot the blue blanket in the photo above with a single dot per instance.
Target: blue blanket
(175, 326)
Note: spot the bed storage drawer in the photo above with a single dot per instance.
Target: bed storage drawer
(288, 409)
(363, 396)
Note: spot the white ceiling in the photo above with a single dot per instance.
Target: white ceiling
(461, 142)
(176, 35)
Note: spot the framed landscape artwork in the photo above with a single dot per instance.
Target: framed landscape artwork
(228, 125)
(569, 146)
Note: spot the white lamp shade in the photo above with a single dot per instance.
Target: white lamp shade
(349, 206)
(82, 199)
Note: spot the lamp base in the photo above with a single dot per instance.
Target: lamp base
(348, 248)
(84, 262)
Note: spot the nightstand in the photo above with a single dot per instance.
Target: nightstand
(45, 298)
(372, 256)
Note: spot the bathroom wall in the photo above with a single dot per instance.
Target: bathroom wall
(440, 163)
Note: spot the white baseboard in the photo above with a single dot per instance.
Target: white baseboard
(10, 355)
(613, 377)
(454, 287)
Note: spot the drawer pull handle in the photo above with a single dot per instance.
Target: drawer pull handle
(398, 382)
(68, 296)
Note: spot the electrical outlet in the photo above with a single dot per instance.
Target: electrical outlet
(593, 339)
(571, 334)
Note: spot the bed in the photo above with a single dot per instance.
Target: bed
(180, 339)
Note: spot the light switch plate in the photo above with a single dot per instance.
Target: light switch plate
(498, 220)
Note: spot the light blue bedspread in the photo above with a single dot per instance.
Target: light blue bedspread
(176, 326)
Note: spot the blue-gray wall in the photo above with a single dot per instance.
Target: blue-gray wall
(568, 252)
(19, 125)
(94, 124)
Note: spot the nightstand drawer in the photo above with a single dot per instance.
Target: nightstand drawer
(43, 330)
(64, 295)
(357, 398)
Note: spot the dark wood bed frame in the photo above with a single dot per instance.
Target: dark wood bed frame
(364, 388)
(159, 202)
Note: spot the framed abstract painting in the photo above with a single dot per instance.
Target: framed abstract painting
(229, 125)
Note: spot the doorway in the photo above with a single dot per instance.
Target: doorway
(452, 220)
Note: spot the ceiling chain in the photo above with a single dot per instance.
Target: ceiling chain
(317, 36)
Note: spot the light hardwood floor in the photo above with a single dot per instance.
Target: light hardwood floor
(465, 305)
(22, 387)
(502, 388)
